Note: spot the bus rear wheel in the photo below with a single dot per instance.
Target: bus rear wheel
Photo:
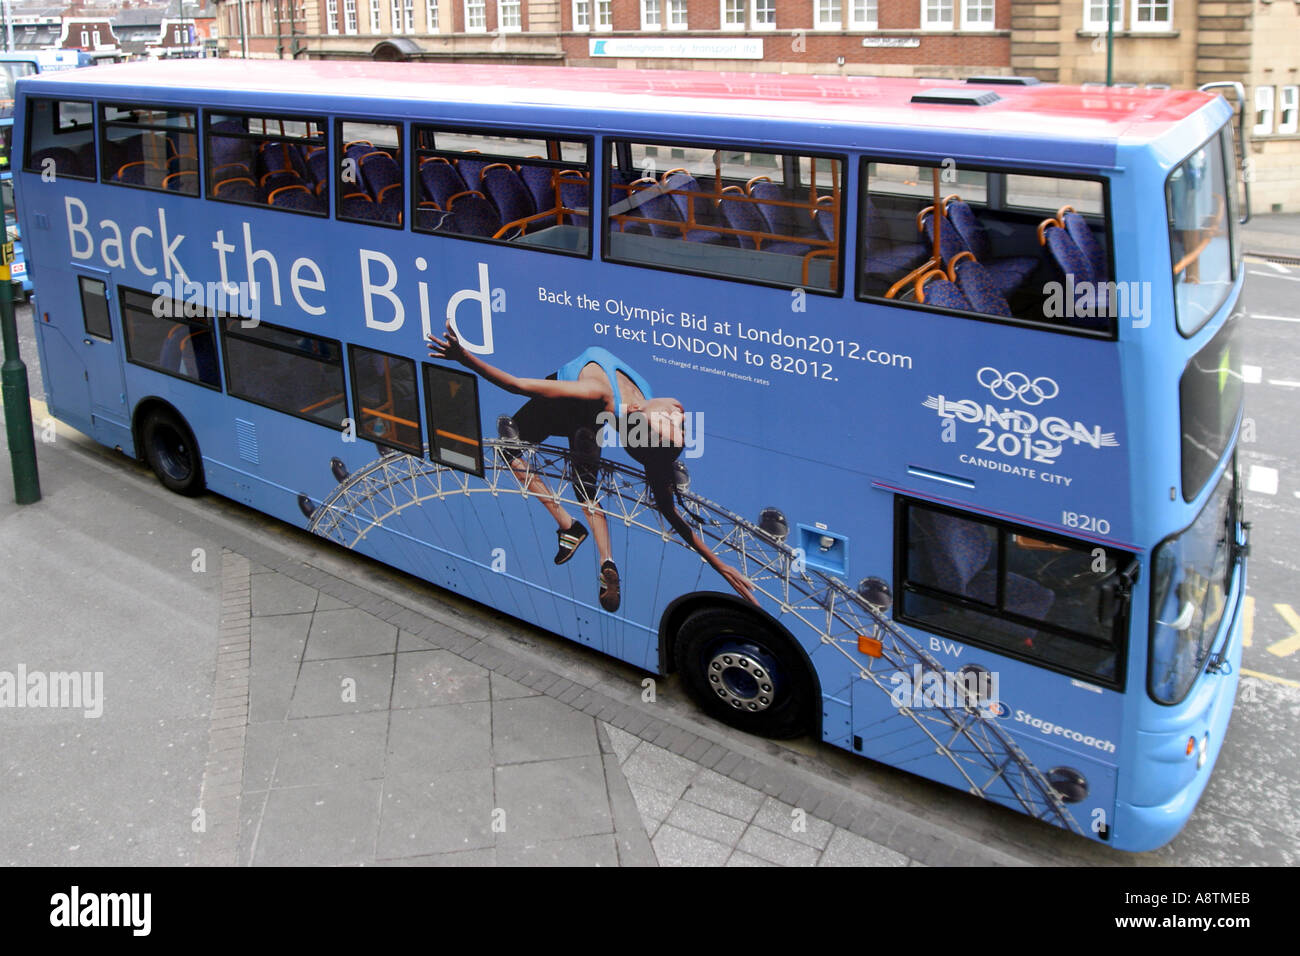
(744, 673)
(172, 452)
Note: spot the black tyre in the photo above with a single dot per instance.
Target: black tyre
(745, 673)
(172, 452)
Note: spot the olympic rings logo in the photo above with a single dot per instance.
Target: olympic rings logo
(1017, 385)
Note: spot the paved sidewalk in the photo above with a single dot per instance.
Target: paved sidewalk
(268, 700)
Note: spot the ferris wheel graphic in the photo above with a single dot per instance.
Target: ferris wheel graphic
(402, 494)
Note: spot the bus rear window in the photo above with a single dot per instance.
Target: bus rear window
(1196, 195)
(60, 139)
(267, 161)
(524, 190)
(774, 218)
(150, 147)
(1210, 396)
(1012, 246)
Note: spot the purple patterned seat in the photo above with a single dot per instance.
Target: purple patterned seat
(945, 295)
(1083, 237)
(1007, 272)
(440, 181)
(298, 198)
(379, 171)
(508, 193)
(237, 189)
(1076, 273)
(744, 216)
(980, 289)
(475, 215)
(360, 206)
(783, 220)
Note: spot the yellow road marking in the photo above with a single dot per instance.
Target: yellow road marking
(1270, 677)
(1290, 644)
(1247, 621)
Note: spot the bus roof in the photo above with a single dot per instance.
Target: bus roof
(1066, 112)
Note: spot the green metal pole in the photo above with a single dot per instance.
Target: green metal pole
(17, 398)
(1110, 42)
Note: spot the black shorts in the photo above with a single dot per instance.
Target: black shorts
(574, 419)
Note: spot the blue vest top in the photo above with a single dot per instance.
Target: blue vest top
(609, 364)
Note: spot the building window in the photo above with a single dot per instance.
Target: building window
(476, 16)
(1263, 110)
(431, 16)
(350, 16)
(677, 14)
(396, 10)
(604, 14)
(332, 16)
(409, 11)
(863, 14)
(509, 17)
(1153, 14)
(733, 13)
(650, 16)
(1288, 109)
(764, 14)
(582, 14)
(828, 14)
(375, 17)
(936, 14)
(1095, 13)
(977, 14)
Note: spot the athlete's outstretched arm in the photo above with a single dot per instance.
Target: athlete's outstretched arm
(450, 348)
(663, 495)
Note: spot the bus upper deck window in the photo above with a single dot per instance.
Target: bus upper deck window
(268, 161)
(1005, 245)
(727, 211)
(371, 175)
(522, 189)
(60, 139)
(150, 147)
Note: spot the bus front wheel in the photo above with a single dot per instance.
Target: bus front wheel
(172, 452)
(743, 672)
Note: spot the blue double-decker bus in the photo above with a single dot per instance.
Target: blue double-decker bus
(898, 412)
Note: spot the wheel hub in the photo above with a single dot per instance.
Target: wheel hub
(743, 679)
